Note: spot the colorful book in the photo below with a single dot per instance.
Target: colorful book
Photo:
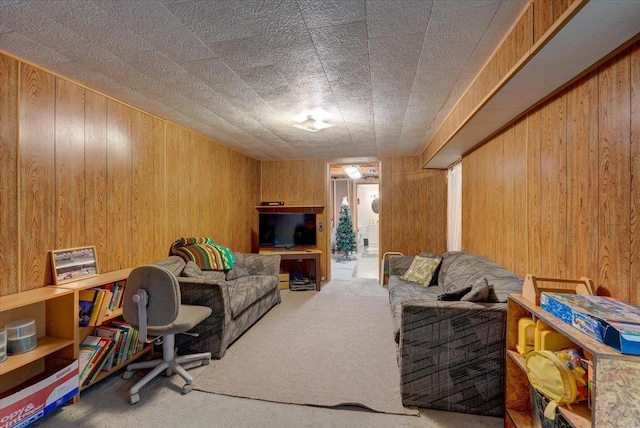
(101, 344)
(115, 334)
(95, 371)
(126, 341)
(86, 304)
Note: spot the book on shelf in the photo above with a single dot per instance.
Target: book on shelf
(101, 361)
(101, 345)
(85, 354)
(86, 303)
(115, 334)
(126, 341)
(103, 309)
(115, 288)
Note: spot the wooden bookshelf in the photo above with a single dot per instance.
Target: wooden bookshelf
(615, 377)
(55, 331)
(83, 332)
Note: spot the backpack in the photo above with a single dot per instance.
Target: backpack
(561, 376)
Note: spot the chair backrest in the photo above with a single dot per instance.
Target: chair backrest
(164, 295)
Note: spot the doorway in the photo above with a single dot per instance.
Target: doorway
(361, 194)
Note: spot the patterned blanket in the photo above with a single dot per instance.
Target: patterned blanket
(204, 252)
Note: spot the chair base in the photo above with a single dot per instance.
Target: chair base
(170, 363)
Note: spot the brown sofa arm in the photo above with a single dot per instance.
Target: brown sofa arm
(452, 356)
(262, 264)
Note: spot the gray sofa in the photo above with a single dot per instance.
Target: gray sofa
(451, 354)
(238, 298)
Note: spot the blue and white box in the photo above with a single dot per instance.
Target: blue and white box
(610, 321)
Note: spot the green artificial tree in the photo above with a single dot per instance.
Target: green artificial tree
(345, 235)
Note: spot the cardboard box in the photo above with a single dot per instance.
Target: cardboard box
(614, 323)
(29, 404)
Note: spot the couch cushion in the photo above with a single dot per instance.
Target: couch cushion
(460, 269)
(192, 270)
(239, 268)
(246, 290)
(421, 270)
(479, 293)
(174, 263)
(401, 291)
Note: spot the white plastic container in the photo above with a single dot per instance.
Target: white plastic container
(3, 344)
(21, 336)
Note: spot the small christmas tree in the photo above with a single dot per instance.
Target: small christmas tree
(345, 235)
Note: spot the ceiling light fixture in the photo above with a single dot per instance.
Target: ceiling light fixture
(353, 172)
(312, 125)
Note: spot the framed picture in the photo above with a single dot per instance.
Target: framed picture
(74, 264)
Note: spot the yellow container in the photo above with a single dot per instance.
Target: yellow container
(526, 335)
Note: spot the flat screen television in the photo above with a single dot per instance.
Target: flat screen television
(287, 229)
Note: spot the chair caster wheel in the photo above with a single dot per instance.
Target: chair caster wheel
(127, 375)
(187, 389)
(134, 398)
(205, 362)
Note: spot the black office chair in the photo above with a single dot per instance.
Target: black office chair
(152, 305)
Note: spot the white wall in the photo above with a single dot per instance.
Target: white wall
(366, 193)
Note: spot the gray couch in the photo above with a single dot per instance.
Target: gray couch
(238, 298)
(451, 354)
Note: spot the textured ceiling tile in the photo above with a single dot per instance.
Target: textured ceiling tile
(159, 66)
(139, 16)
(28, 49)
(81, 74)
(384, 83)
(467, 25)
(216, 20)
(179, 44)
(347, 39)
(322, 13)
(385, 18)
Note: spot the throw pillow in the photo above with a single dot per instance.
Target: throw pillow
(239, 268)
(434, 278)
(455, 294)
(421, 270)
(479, 292)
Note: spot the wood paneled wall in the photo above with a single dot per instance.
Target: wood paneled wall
(78, 168)
(413, 207)
(301, 182)
(413, 201)
(556, 193)
(539, 17)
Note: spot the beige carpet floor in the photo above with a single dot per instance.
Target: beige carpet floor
(315, 349)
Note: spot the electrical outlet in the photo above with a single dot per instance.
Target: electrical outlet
(321, 227)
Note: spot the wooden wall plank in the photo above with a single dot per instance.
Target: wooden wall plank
(173, 183)
(634, 219)
(69, 163)
(533, 192)
(553, 176)
(142, 187)
(37, 176)
(542, 17)
(9, 254)
(118, 186)
(95, 152)
(520, 212)
(582, 180)
(161, 240)
(509, 198)
(577, 157)
(614, 174)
